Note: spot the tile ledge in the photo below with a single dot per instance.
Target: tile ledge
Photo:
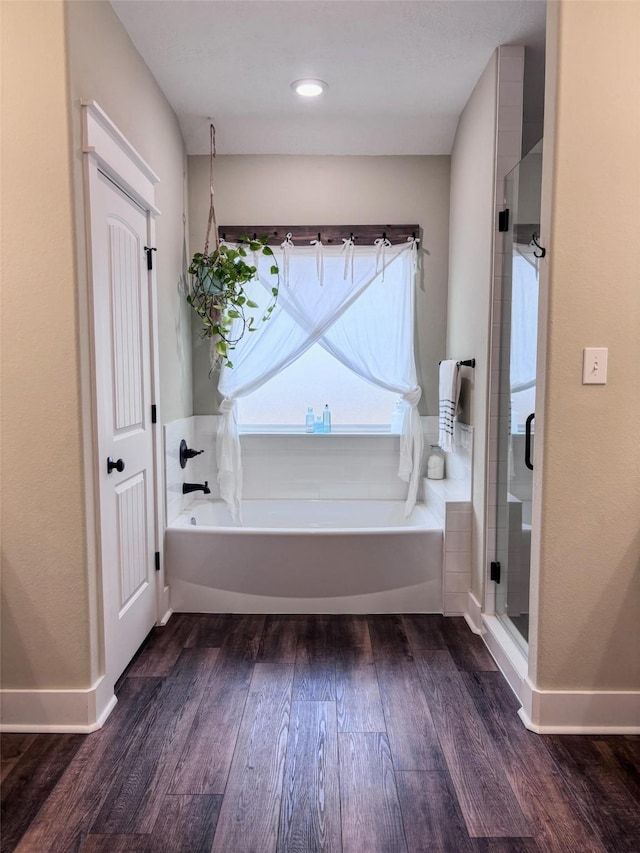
(449, 490)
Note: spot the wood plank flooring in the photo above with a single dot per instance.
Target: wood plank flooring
(301, 734)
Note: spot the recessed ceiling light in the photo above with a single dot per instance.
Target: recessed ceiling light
(309, 87)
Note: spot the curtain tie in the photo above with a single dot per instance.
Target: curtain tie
(381, 245)
(413, 244)
(408, 435)
(228, 458)
(286, 246)
(319, 260)
(413, 397)
(411, 446)
(347, 248)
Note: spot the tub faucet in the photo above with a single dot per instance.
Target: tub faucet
(196, 487)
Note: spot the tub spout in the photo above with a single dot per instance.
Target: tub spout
(196, 487)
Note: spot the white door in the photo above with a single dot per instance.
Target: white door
(121, 282)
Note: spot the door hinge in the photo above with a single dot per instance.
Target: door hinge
(149, 250)
(157, 561)
(494, 572)
(154, 414)
(503, 219)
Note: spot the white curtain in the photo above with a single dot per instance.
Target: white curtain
(524, 320)
(339, 298)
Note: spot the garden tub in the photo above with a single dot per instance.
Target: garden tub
(305, 556)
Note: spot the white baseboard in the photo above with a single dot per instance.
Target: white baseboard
(506, 653)
(559, 711)
(579, 712)
(474, 613)
(163, 621)
(56, 711)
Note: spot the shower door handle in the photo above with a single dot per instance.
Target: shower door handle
(527, 441)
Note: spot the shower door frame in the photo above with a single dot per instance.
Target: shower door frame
(507, 153)
(512, 486)
(508, 652)
(517, 662)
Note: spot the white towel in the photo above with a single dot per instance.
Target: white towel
(449, 392)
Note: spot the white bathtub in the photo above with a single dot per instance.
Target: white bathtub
(305, 556)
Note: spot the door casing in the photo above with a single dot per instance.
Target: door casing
(105, 149)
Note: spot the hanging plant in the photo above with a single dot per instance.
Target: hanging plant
(217, 285)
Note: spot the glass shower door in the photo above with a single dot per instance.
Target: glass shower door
(519, 332)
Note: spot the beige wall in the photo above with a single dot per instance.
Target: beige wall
(44, 580)
(104, 66)
(588, 629)
(334, 191)
(49, 584)
(470, 270)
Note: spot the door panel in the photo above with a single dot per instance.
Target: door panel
(123, 393)
(126, 327)
(133, 554)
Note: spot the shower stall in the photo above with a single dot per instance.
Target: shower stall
(517, 391)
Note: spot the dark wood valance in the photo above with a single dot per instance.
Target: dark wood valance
(363, 235)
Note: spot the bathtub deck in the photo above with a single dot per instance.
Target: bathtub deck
(361, 734)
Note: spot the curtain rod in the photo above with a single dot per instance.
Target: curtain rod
(362, 235)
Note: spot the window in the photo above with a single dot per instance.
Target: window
(318, 377)
(314, 379)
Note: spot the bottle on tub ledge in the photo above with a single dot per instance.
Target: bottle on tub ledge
(326, 419)
(435, 463)
(309, 420)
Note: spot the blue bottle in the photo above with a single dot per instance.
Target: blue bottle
(309, 420)
(326, 419)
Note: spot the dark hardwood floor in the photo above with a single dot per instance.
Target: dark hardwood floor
(266, 734)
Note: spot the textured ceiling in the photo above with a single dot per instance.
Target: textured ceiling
(399, 73)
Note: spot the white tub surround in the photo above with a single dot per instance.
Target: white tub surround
(287, 463)
(450, 501)
(174, 475)
(306, 557)
(333, 296)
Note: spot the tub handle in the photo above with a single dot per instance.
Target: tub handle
(118, 465)
(187, 453)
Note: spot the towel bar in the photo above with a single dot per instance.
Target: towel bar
(469, 362)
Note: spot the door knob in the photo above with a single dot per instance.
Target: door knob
(118, 465)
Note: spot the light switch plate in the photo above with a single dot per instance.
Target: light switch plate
(594, 365)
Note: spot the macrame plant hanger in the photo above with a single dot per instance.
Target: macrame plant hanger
(214, 358)
(212, 211)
